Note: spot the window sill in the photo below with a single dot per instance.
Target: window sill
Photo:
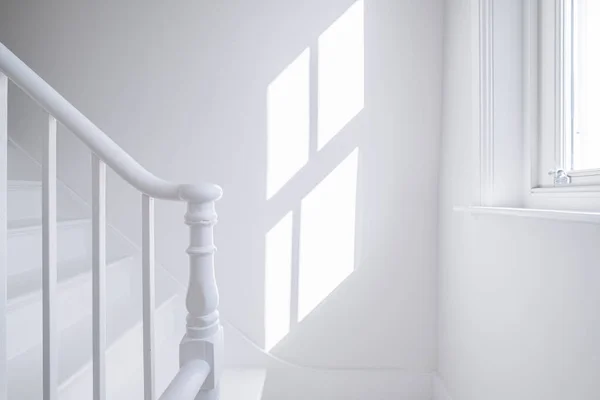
(555, 215)
(568, 191)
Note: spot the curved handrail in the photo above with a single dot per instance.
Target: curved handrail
(102, 145)
(187, 382)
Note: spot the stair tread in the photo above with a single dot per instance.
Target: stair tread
(123, 316)
(26, 286)
(27, 224)
(20, 183)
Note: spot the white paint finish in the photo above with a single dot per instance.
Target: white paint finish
(3, 231)
(215, 129)
(25, 244)
(246, 384)
(485, 87)
(124, 356)
(124, 340)
(148, 296)
(508, 152)
(518, 296)
(96, 140)
(21, 167)
(25, 200)
(288, 123)
(278, 281)
(203, 339)
(73, 303)
(99, 277)
(341, 69)
(327, 235)
(187, 382)
(49, 263)
(555, 215)
(347, 385)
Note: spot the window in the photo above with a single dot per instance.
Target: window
(569, 93)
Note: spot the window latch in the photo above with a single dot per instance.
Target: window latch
(561, 178)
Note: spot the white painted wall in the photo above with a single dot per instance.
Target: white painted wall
(182, 87)
(518, 298)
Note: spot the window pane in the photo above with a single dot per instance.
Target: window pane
(586, 79)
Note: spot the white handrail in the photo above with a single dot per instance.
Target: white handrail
(201, 349)
(188, 381)
(102, 145)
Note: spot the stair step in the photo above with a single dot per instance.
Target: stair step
(124, 340)
(74, 302)
(125, 354)
(25, 243)
(25, 201)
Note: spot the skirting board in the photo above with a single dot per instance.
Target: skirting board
(439, 389)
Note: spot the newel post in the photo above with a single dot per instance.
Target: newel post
(204, 334)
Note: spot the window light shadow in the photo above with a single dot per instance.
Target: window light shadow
(288, 123)
(341, 69)
(278, 277)
(310, 251)
(327, 235)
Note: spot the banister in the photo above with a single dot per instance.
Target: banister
(187, 382)
(100, 143)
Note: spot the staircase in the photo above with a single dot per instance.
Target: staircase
(124, 358)
(84, 314)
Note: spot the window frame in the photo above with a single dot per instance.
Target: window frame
(551, 21)
(507, 119)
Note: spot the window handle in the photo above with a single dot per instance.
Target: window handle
(561, 178)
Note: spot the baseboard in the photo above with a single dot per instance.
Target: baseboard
(440, 392)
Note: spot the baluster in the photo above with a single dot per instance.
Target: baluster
(3, 233)
(204, 334)
(148, 284)
(99, 277)
(49, 275)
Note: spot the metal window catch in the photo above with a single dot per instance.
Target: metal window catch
(561, 178)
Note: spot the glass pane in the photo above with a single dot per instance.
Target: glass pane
(586, 84)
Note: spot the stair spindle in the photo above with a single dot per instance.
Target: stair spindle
(49, 273)
(3, 233)
(148, 284)
(99, 277)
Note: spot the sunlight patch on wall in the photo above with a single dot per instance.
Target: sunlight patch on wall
(327, 235)
(288, 123)
(341, 70)
(278, 278)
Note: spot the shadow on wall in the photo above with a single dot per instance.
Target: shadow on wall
(312, 181)
(266, 99)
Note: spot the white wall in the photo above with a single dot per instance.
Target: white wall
(518, 298)
(182, 87)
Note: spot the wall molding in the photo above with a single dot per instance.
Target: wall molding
(485, 96)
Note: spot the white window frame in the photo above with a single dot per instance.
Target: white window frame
(518, 117)
(548, 24)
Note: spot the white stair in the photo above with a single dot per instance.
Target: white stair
(25, 201)
(25, 244)
(124, 310)
(24, 317)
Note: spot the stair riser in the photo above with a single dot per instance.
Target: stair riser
(25, 246)
(125, 356)
(74, 301)
(25, 202)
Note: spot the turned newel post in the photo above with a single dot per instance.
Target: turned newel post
(204, 334)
